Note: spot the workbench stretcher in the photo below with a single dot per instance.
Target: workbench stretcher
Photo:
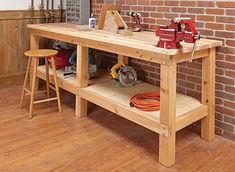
(176, 110)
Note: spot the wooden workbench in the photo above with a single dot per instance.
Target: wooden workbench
(176, 110)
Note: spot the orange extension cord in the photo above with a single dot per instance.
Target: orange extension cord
(143, 101)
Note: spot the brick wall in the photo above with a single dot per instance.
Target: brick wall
(215, 20)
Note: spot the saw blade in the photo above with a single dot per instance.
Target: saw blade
(127, 76)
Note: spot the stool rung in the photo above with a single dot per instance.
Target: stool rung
(38, 92)
(53, 88)
(45, 100)
(27, 91)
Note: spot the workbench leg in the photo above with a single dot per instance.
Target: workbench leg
(123, 59)
(168, 114)
(34, 45)
(82, 79)
(208, 95)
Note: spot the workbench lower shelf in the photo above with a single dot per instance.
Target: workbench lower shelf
(107, 93)
(111, 96)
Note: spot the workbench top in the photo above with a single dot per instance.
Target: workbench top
(144, 40)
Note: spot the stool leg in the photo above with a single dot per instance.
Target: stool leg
(25, 83)
(47, 78)
(33, 87)
(56, 83)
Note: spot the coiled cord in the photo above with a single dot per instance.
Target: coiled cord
(144, 101)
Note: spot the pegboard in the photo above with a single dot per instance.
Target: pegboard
(77, 11)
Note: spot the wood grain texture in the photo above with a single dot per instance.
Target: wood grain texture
(103, 141)
(13, 43)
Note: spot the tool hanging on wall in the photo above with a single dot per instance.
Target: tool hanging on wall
(31, 9)
(47, 13)
(180, 29)
(52, 12)
(111, 21)
(136, 18)
(41, 8)
(148, 101)
(60, 7)
(125, 75)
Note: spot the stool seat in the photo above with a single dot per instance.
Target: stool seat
(34, 56)
(41, 53)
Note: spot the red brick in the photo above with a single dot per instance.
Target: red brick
(218, 101)
(206, 32)
(225, 19)
(194, 94)
(157, 15)
(147, 8)
(171, 3)
(163, 21)
(230, 58)
(215, 26)
(225, 110)
(163, 9)
(230, 73)
(181, 76)
(192, 16)
(225, 80)
(109, 1)
(230, 104)
(230, 43)
(229, 119)
(226, 4)
(136, 8)
(194, 79)
(230, 12)
(188, 3)
(223, 34)
(230, 27)
(218, 131)
(186, 71)
(149, 20)
(219, 71)
(171, 15)
(215, 11)
(196, 10)
(225, 95)
(120, 2)
(225, 65)
(226, 50)
(224, 125)
(143, 2)
(219, 56)
(156, 2)
(178, 9)
(186, 84)
(219, 86)
(131, 2)
(230, 89)
(229, 135)
(205, 18)
(144, 14)
(205, 4)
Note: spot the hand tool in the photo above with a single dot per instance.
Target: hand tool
(180, 29)
(52, 12)
(41, 8)
(125, 75)
(136, 18)
(31, 9)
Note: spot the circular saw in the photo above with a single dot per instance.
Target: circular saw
(125, 75)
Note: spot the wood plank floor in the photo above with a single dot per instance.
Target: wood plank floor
(54, 141)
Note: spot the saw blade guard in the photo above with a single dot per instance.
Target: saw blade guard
(127, 76)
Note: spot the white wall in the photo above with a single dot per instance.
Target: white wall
(24, 4)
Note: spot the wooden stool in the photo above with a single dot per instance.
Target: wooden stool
(34, 56)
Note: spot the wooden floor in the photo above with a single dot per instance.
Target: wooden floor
(54, 141)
